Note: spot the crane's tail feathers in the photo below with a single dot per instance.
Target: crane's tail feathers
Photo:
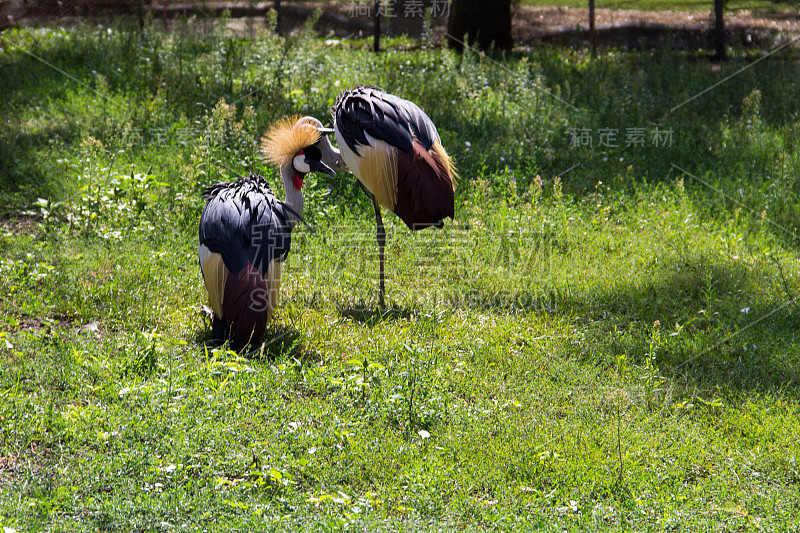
(446, 162)
(378, 172)
(424, 188)
(246, 304)
(243, 303)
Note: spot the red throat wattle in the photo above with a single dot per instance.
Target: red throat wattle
(298, 178)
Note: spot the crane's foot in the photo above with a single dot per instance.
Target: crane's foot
(219, 330)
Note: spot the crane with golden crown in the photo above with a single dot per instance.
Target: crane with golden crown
(245, 231)
(393, 149)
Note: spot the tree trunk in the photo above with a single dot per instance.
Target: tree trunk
(140, 13)
(484, 23)
(278, 17)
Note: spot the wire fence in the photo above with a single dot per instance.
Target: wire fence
(398, 16)
(649, 24)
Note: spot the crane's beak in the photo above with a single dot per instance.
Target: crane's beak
(318, 166)
(330, 155)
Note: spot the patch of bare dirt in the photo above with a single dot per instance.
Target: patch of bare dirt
(47, 324)
(8, 465)
(637, 28)
(35, 459)
(532, 22)
(18, 224)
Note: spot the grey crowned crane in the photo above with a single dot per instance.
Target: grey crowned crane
(245, 231)
(394, 150)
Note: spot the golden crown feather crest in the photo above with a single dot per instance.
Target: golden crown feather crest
(287, 137)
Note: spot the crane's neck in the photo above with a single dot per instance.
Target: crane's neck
(294, 196)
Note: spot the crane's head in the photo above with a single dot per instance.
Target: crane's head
(330, 155)
(300, 146)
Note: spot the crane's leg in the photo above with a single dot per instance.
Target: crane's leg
(381, 235)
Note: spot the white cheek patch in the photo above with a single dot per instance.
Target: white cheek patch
(300, 165)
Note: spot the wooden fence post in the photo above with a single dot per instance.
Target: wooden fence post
(377, 44)
(592, 39)
(719, 29)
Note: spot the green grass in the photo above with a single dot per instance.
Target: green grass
(598, 342)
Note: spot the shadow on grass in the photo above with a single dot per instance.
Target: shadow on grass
(24, 176)
(707, 325)
(371, 315)
(716, 328)
(280, 341)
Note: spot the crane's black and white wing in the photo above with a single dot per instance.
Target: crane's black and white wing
(364, 114)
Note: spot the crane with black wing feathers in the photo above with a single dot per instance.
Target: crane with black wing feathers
(394, 150)
(245, 231)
